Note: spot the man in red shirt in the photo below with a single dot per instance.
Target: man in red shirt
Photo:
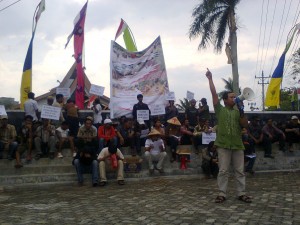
(106, 134)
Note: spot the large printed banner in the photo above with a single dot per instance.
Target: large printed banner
(133, 73)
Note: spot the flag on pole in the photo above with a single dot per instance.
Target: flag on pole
(127, 36)
(26, 81)
(78, 33)
(273, 91)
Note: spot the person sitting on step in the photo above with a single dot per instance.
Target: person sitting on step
(173, 136)
(112, 157)
(155, 151)
(64, 139)
(45, 139)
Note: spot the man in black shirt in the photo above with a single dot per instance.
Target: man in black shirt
(141, 106)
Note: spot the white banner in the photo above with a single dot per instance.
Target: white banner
(208, 137)
(50, 112)
(96, 90)
(2, 110)
(142, 114)
(157, 110)
(64, 91)
(170, 96)
(133, 73)
(189, 95)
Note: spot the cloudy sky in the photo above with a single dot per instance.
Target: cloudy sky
(263, 28)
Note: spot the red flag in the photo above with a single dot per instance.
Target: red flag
(78, 33)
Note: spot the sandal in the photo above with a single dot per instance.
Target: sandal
(245, 198)
(220, 199)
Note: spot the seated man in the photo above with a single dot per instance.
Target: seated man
(27, 135)
(257, 137)
(8, 137)
(173, 136)
(140, 135)
(210, 160)
(202, 126)
(45, 139)
(292, 132)
(126, 134)
(111, 156)
(64, 139)
(106, 134)
(155, 151)
(186, 133)
(274, 134)
(86, 161)
(87, 135)
(249, 152)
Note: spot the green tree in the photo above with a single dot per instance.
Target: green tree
(183, 105)
(228, 87)
(285, 101)
(211, 20)
(295, 72)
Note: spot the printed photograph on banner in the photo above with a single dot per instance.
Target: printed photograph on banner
(142, 115)
(64, 91)
(96, 90)
(189, 95)
(50, 112)
(2, 110)
(157, 110)
(208, 137)
(134, 73)
(170, 96)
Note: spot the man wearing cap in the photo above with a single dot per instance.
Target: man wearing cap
(31, 107)
(8, 140)
(112, 157)
(173, 136)
(292, 132)
(87, 135)
(155, 151)
(141, 106)
(106, 134)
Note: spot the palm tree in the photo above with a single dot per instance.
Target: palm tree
(184, 104)
(228, 86)
(212, 19)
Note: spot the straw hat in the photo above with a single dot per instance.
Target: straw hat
(154, 132)
(174, 121)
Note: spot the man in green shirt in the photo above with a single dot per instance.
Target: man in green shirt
(229, 142)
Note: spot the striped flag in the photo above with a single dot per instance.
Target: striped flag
(127, 36)
(273, 91)
(26, 81)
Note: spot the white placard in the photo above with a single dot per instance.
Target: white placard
(2, 110)
(189, 95)
(158, 110)
(170, 96)
(64, 91)
(208, 137)
(142, 114)
(50, 112)
(96, 90)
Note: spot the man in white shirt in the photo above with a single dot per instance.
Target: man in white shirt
(111, 156)
(31, 107)
(155, 151)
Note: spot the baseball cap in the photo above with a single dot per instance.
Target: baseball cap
(107, 121)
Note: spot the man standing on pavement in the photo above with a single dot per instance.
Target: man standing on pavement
(229, 143)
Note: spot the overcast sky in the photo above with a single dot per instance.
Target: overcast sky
(186, 66)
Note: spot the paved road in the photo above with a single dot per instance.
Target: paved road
(160, 200)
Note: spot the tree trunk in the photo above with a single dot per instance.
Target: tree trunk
(234, 57)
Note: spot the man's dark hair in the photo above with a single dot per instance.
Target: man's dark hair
(59, 96)
(225, 94)
(112, 148)
(64, 123)
(28, 117)
(139, 96)
(30, 95)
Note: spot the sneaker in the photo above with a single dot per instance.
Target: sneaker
(121, 182)
(59, 155)
(102, 183)
(74, 154)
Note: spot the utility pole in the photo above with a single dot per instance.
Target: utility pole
(262, 82)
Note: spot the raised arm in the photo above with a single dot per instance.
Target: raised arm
(212, 87)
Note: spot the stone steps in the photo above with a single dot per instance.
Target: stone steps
(60, 170)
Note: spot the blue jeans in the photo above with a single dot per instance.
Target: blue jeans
(12, 148)
(103, 143)
(82, 168)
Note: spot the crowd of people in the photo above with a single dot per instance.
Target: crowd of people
(97, 143)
